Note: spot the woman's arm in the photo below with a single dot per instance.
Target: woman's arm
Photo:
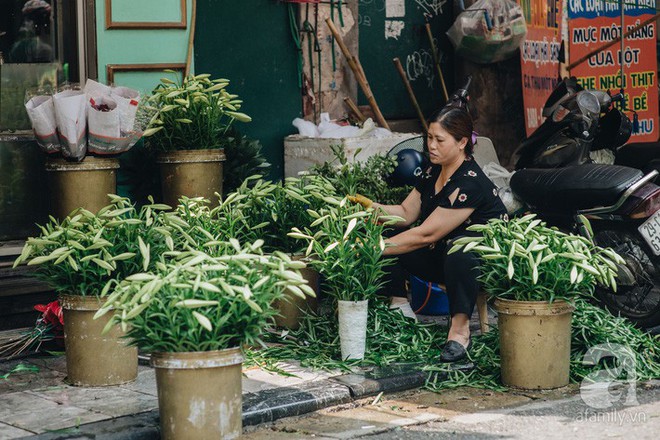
(440, 223)
(409, 210)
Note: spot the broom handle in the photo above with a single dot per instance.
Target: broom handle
(411, 94)
(356, 67)
(191, 38)
(436, 60)
(354, 108)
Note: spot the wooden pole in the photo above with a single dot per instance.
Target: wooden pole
(436, 60)
(612, 43)
(354, 108)
(411, 94)
(356, 67)
(191, 38)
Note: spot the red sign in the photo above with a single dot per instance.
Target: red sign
(593, 23)
(539, 57)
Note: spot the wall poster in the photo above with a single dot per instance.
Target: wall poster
(593, 23)
(539, 57)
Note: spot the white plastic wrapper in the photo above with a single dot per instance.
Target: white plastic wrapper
(127, 104)
(103, 124)
(111, 114)
(71, 115)
(93, 88)
(488, 31)
(352, 328)
(41, 112)
(501, 177)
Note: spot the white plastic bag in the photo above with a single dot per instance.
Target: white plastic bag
(71, 116)
(501, 177)
(488, 31)
(306, 128)
(41, 112)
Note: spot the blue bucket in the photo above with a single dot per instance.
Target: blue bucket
(425, 302)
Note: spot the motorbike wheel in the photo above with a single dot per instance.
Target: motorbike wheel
(640, 301)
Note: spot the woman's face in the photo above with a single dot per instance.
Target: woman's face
(443, 148)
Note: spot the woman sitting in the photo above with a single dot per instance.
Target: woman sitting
(453, 194)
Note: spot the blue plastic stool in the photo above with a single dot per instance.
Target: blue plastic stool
(428, 298)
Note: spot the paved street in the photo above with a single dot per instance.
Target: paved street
(475, 414)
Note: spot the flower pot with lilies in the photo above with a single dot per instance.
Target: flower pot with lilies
(79, 257)
(193, 315)
(271, 210)
(534, 271)
(347, 244)
(192, 122)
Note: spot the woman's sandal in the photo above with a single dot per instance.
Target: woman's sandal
(454, 351)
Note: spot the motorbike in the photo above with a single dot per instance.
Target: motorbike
(616, 206)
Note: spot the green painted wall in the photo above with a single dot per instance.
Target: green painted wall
(379, 44)
(140, 46)
(249, 42)
(138, 175)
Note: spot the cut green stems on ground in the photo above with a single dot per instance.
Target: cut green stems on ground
(394, 339)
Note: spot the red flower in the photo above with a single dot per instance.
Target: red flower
(51, 313)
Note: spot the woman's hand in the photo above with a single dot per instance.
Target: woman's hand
(362, 200)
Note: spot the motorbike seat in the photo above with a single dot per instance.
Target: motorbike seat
(575, 187)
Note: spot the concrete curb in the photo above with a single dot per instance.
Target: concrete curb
(261, 407)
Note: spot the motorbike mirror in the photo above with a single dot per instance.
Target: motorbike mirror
(604, 99)
(588, 104)
(461, 97)
(618, 97)
(564, 90)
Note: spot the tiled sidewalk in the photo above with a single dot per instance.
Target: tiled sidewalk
(40, 401)
(37, 401)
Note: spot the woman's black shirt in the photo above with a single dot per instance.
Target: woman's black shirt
(475, 190)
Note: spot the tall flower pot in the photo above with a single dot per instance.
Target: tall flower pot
(353, 328)
(290, 307)
(191, 173)
(199, 394)
(83, 184)
(94, 359)
(535, 343)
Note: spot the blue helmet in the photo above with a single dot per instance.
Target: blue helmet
(410, 166)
